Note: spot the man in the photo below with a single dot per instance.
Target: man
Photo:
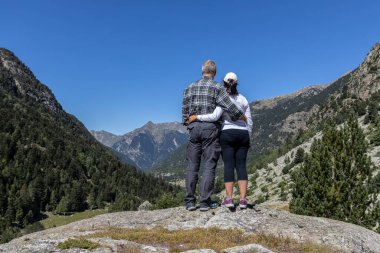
(201, 97)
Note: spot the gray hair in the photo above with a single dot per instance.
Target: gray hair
(209, 67)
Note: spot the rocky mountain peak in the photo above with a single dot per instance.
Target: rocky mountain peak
(10, 62)
(365, 80)
(373, 57)
(149, 124)
(20, 81)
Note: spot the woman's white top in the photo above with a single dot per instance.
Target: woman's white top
(241, 102)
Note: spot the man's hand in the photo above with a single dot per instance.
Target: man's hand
(243, 117)
(192, 118)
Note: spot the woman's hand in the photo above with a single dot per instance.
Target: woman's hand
(192, 118)
(243, 117)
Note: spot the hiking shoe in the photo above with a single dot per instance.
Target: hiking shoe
(243, 203)
(190, 206)
(209, 204)
(228, 202)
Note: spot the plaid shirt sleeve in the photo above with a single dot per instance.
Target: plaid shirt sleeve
(185, 107)
(225, 102)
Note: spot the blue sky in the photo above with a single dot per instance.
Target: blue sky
(118, 64)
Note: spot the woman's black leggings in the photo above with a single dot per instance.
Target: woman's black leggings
(235, 145)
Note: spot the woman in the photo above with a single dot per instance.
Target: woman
(234, 140)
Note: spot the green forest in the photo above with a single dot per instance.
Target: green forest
(50, 162)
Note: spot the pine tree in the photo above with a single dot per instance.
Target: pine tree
(63, 206)
(287, 160)
(335, 180)
(300, 154)
(373, 111)
(77, 197)
(375, 136)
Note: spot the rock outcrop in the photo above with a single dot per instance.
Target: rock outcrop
(145, 206)
(342, 236)
(22, 83)
(365, 80)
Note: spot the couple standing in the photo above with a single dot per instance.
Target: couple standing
(219, 121)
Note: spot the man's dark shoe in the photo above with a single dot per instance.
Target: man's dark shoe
(205, 206)
(190, 206)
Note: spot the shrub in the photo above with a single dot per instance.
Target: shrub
(260, 199)
(287, 168)
(253, 180)
(78, 243)
(167, 201)
(264, 188)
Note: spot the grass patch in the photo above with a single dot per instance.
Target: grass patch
(278, 206)
(78, 243)
(209, 238)
(60, 220)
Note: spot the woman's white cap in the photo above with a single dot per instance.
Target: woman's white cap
(230, 76)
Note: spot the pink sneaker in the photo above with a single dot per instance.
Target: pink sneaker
(228, 202)
(243, 203)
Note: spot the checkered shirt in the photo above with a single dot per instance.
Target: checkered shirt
(203, 96)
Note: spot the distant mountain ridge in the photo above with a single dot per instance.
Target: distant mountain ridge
(106, 138)
(269, 103)
(147, 145)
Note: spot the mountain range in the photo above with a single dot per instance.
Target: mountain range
(145, 146)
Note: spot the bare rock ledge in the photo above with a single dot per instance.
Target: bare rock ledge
(339, 235)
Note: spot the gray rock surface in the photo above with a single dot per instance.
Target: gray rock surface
(200, 251)
(126, 246)
(252, 248)
(343, 236)
(145, 206)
